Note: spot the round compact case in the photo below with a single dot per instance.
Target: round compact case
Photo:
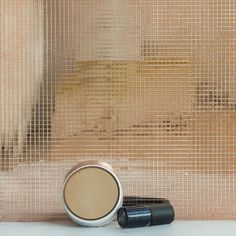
(92, 194)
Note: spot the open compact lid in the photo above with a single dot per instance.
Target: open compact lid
(92, 194)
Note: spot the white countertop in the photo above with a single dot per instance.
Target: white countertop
(178, 228)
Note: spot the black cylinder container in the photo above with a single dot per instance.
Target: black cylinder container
(145, 215)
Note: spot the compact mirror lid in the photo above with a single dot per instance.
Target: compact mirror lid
(92, 194)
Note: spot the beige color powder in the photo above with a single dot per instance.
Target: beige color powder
(91, 193)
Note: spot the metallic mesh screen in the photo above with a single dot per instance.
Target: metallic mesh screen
(147, 85)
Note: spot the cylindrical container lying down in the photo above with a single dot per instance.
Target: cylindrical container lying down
(146, 215)
(92, 194)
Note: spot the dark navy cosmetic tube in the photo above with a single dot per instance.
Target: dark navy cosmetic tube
(145, 215)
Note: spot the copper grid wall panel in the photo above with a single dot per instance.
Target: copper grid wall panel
(147, 85)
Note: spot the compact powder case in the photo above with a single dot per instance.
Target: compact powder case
(92, 194)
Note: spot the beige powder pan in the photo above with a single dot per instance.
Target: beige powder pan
(92, 194)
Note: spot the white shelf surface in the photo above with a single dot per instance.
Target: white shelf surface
(61, 228)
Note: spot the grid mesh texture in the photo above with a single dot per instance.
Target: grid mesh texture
(148, 86)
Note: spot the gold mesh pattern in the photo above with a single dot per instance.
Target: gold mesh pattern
(145, 85)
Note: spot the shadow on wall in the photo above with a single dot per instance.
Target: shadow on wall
(22, 69)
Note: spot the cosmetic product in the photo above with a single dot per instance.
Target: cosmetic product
(92, 194)
(148, 214)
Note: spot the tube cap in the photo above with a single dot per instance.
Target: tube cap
(162, 213)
